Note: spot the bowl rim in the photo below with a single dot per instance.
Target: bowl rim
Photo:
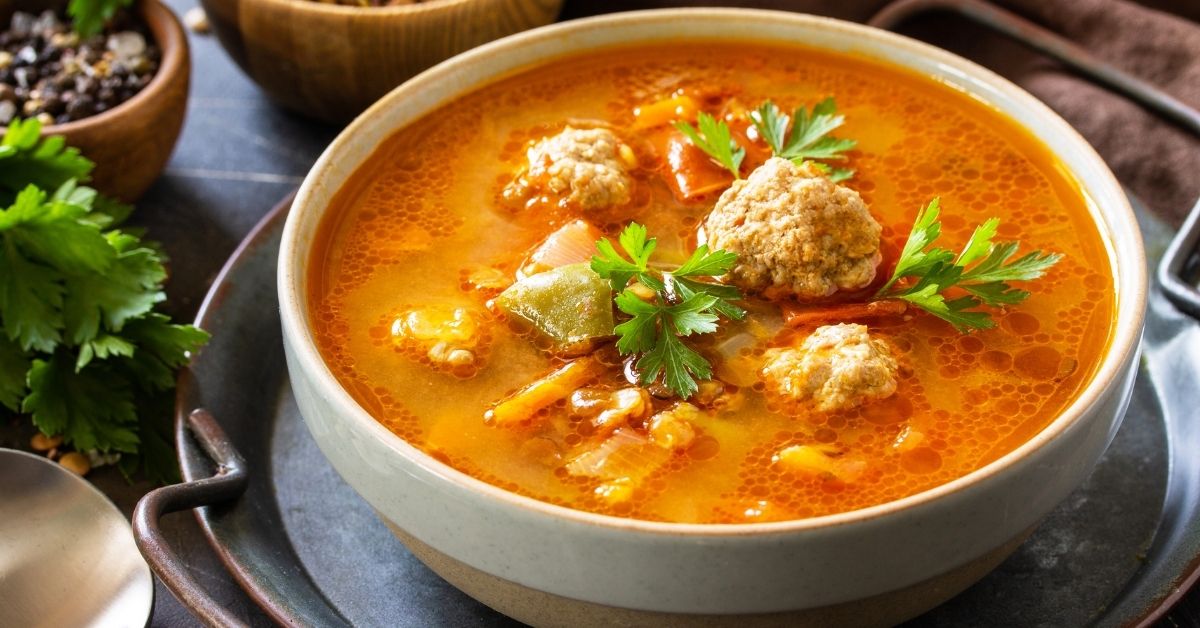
(172, 43)
(1124, 340)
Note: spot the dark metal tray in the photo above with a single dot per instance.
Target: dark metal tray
(310, 551)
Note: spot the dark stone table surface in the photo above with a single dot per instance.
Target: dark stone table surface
(237, 157)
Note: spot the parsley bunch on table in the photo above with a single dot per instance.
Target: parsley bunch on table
(680, 305)
(82, 350)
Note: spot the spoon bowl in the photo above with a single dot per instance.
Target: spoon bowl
(67, 555)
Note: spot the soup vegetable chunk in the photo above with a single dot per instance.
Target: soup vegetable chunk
(713, 282)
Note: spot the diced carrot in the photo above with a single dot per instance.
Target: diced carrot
(664, 112)
(798, 316)
(524, 403)
(693, 174)
(573, 243)
(819, 461)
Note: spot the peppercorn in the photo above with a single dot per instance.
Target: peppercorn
(47, 71)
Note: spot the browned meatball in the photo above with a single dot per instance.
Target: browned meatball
(584, 168)
(795, 231)
(838, 367)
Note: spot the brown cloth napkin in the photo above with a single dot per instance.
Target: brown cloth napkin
(1156, 40)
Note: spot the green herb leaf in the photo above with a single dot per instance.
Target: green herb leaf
(681, 306)
(638, 333)
(92, 407)
(981, 271)
(55, 233)
(47, 163)
(14, 364)
(706, 263)
(609, 264)
(714, 138)
(693, 315)
(31, 297)
(724, 293)
(90, 16)
(162, 348)
(810, 138)
(130, 289)
(679, 365)
(103, 347)
(156, 455)
(772, 124)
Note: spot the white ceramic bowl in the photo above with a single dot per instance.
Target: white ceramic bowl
(552, 565)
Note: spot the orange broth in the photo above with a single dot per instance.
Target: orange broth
(425, 211)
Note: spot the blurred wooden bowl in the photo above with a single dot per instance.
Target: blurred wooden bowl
(331, 61)
(132, 142)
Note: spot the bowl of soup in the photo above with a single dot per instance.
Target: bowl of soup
(711, 315)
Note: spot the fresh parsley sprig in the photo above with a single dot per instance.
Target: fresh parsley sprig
(714, 138)
(810, 138)
(981, 270)
(81, 348)
(683, 305)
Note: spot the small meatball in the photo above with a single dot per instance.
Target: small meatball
(585, 168)
(838, 367)
(795, 231)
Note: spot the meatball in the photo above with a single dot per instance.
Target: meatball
(838, 367)
(585, 168)
(795, 231)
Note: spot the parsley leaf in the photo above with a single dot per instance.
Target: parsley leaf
(131, 288)
(638, 333)
(679, 365)
(27, 160)
(714, 138)
(31, 297)
(53, 231)
(981, 270)
(705, 263)
(94, 405)
(89, 16)
(681, 306)
(14, 364)
(810, 138)
(162, 348)
(693, 315)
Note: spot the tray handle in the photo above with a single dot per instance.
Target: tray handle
(228, 483)
(1174, 268)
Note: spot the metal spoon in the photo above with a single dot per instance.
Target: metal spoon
(67, 555)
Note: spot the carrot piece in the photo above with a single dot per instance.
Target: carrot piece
(693, 174)
(559, 384)
(573, 243)
(795, 316)
(664, 112)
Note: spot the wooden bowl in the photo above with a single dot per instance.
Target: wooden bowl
(331, 61)
(131, 142)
